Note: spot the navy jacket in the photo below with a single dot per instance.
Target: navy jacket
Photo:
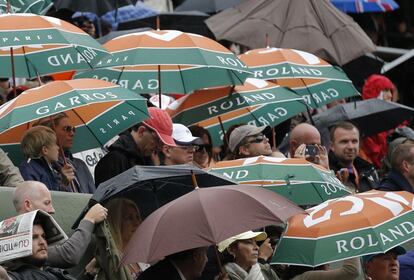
(406, 266)
(39, 170)
(395, 181)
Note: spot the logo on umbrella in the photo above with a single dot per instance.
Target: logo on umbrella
(85, 55)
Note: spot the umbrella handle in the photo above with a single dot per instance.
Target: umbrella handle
(221, 268)
(194, 179)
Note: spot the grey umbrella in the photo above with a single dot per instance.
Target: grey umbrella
(315, 26)
(206, 6)
(371, 116)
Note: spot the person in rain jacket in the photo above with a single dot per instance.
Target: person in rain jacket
(375, 146)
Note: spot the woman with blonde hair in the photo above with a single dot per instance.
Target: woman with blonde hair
(122, 221)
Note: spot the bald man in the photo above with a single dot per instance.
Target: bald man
(306, 134)
(33, 195)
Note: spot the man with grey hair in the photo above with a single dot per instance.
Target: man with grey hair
(401, 176)
(32, 195)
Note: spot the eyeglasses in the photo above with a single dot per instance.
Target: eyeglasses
(189, 148)
(258, 139)
(204, 148)
(69, 128)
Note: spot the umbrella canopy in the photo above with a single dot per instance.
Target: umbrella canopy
(128, 13)
(384, 114)
(311, 77)
(94, 6)
(356, 225)
(206, 6)
(39, 7)
(42, 45)
(99, 110)
(365, 6)
(257, 102)
(216, 214)
(191, 21)
(315, 26)
(298, 180)
(175, 58)
(153, 186)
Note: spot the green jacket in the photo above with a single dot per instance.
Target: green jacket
(107, 258)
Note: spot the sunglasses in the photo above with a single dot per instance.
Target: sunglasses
(258, 139)
(204, 148)
(69, 128)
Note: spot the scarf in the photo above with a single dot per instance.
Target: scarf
(235, 270)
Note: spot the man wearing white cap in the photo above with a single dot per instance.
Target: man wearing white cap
(245, 254)
(186, 145)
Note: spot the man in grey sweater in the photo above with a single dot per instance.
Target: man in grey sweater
(33, 195)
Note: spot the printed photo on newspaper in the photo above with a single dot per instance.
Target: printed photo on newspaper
(16, 234)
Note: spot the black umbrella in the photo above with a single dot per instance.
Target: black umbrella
(150, 187)
(98, 7)
(371, 116)
(192, 22)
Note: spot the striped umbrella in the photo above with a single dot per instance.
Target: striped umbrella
(257, 102)
(181, 62)
(41, 45)
(365, 6)
(298, 180)
(39, 7)
(311, 77)
(356, 225)
(99, 110)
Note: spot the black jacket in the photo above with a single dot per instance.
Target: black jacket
(26, 271)
(123, 154)
(162, 270)
(395, 181)
(368, 176)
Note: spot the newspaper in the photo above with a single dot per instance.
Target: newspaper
(16, 234)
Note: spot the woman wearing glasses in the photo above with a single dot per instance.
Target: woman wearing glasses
(203, 156)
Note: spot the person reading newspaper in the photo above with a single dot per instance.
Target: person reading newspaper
(33, 266)
(33, 195)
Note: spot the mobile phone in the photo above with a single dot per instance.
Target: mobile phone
(311, 150)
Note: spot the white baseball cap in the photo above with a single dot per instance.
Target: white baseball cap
(258, 236)
(183, 136)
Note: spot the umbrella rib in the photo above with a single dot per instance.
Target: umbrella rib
(182, 78)
(85, 58)
(27, 62)
(76, 113)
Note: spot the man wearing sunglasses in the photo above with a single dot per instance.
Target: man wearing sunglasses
(136, 146)
(249, 141)
(186, 145)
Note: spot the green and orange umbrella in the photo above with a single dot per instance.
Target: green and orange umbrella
(257, 102)
(299, 180)
(366, 223)
(169, 61)
(39, 7)
(99, 110)
(33, 45)
(313, 78)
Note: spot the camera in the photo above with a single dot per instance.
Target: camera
(311, 150)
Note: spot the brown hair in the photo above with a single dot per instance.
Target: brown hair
(400, 154)
(343, 125)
